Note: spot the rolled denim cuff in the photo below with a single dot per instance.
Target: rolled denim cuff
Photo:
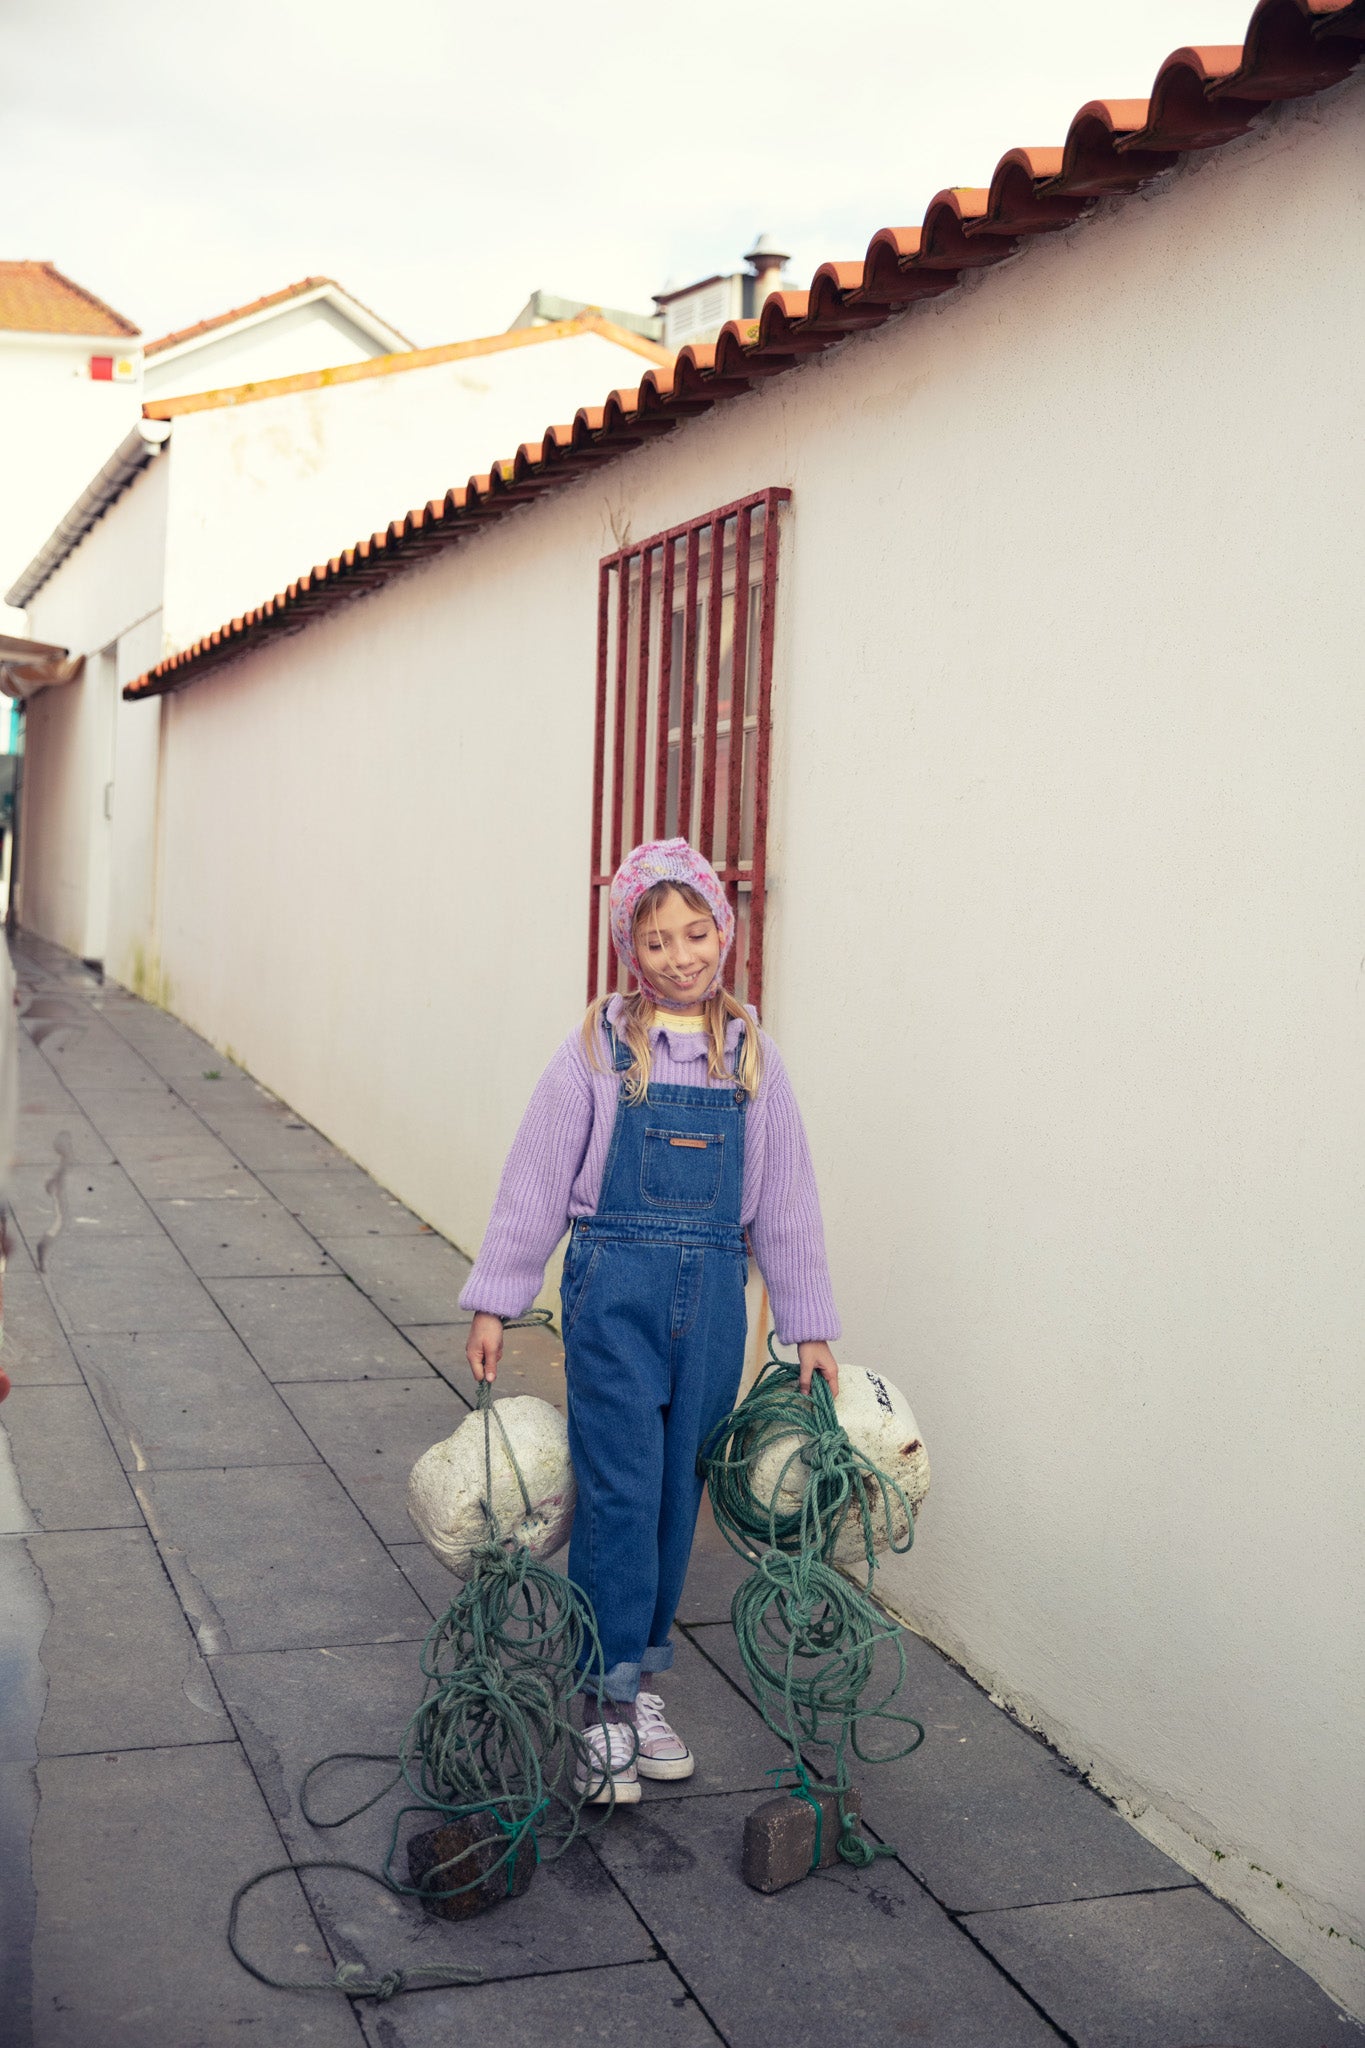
(658, 1658)
(621, 1683)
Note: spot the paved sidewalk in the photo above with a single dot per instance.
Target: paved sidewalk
(226, 1358)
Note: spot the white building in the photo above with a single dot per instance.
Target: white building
(70, 388)
(210, 502)
(1053, 865)
(312, 325)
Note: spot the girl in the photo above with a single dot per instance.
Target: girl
(666, 1129)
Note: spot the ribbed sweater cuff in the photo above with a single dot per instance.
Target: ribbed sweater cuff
(804, 1315)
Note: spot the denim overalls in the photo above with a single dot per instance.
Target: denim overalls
(654, 1323)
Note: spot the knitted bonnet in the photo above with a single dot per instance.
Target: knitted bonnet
(667, 860)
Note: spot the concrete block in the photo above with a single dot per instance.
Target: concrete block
(470, 1846)
(779, 1838)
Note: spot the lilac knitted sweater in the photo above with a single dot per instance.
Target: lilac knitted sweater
(554, 1172)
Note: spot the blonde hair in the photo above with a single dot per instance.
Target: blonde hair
(640, 1006)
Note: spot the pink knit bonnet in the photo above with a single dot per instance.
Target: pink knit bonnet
(667, 860)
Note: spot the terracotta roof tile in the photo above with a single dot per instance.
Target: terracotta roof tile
(35, 298)
(1200, 98)
(261, 305)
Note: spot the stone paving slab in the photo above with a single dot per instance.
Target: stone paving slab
(844, 1956)
(188, 1399)
(964, 1809)
(21, 1257)
(170, 1046)
(129, 1283)
(39, 1088)
(643, 2003)
(202, 1166)
(434, 1586)
(735, 1751)
(274, 1557)
(35, 1352)
(413, 1279)
(371, 1433)
(152, 1125)
(18, 1812)
(69, 1475)
(442, 1345)
(123, 1669)
(294, 1708)
(314, 1329)
(96, 1058)
(214, 1087)
(343, 1202)
(37, 1131)
(268, 1137)
(136, 1856)
(713, 1574)
(1159, 1969)
(240, 1239)
(96, 1201)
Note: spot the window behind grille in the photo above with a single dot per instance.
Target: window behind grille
(684, 714)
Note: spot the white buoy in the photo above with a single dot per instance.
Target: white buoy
(448, 1484)
(879, 1423)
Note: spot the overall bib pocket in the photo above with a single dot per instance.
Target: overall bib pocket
(681, 1169)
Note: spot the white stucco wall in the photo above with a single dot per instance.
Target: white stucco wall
(59, 426)
(263, 491)
(87, 879)
(1064, 949)
(315, 336)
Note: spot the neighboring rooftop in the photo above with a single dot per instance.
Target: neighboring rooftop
(405, 359)
(37, 298)
(543, 309)
(306, 290)
(151, 432)
(1201, 97)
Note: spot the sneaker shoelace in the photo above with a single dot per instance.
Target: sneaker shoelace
(618, 1750)
(653, 1723)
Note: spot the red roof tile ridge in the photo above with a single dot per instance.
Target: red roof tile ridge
(261, 305)
(1202, 95)
(68, 289)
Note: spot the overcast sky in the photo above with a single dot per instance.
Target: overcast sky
(443, 160)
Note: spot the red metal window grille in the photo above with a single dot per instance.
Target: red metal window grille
(684, 714)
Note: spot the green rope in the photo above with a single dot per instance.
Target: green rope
(808, 1636)
(492, 1734)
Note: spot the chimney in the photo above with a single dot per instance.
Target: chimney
(768, 262)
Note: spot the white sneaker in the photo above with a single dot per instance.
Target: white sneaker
(611, 1748)
(663, 1753)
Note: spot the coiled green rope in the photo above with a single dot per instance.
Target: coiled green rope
(808, 1636)
(492, 1734)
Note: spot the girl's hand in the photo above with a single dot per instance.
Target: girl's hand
(484, 1348)
(817, 1357)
